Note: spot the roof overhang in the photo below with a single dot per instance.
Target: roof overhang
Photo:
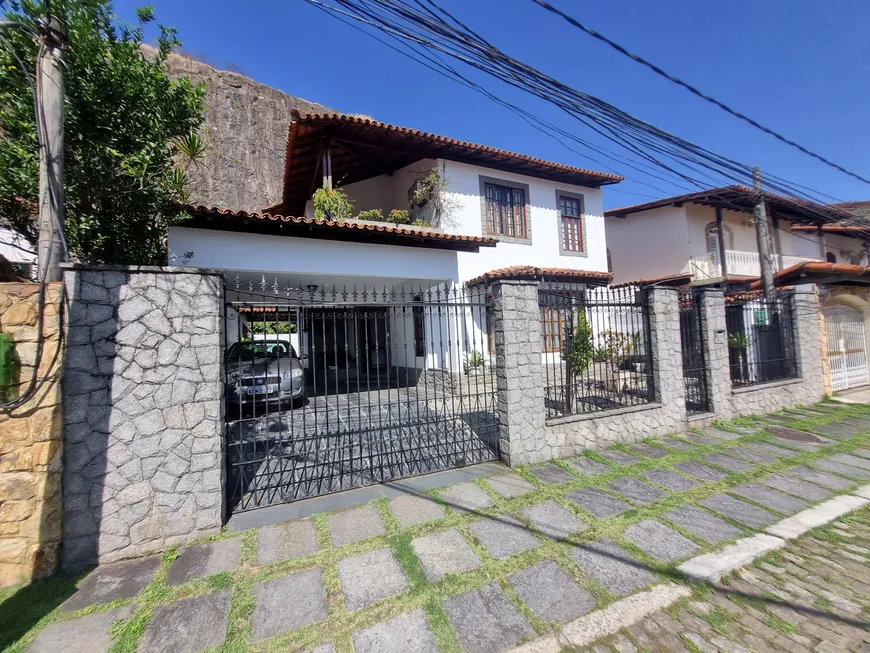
(351, 231)
(821, 273)
(742, 198)
(531, 273)
(668, 281)
(361, 148)
(839, 229)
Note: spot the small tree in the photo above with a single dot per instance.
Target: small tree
(580, 345)
(130, 133)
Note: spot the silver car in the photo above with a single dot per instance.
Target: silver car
(264, 371)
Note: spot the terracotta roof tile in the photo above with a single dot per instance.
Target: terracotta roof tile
(668, 280)
(740, 198)
(349, 226)
(362, 148)
(810, 269)
(444, 140)
(528, 272)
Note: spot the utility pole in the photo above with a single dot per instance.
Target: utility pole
(49, 124)
(761, 235)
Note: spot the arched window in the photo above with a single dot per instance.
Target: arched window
(830, 257)
(712, 234)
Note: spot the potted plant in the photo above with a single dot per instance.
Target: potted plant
(474, 363)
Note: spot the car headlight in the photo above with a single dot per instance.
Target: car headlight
(295, 373)
(233, 377)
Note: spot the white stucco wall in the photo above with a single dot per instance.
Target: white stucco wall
(648, 244)
(845, 248)
(463, 182)
(387, 192)
(741, 226)
(308, 256)
(311, 256)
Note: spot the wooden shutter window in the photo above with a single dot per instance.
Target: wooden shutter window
(571, 209)
(505, 211)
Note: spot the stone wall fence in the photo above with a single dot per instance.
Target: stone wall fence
(527, 436)
(143, 411)
(729, 402)
(30, 439)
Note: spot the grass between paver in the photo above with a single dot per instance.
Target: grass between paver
(36, 604)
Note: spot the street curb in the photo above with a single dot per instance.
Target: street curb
(708, 568)
(601, 623)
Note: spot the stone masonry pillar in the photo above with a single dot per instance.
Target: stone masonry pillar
(808, 327)
(715, 338)
(520, 383)
(664, 325)
(142, 412)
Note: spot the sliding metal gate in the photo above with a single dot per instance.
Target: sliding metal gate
(330, 389)
(694, 356)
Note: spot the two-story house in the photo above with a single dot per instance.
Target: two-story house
(709, 237)
(538, 213)
(391, 369)
(499, 214)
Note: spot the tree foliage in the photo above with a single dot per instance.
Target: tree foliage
(579, 349)
(130, 133)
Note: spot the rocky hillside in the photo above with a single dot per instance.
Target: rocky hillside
(246, 132)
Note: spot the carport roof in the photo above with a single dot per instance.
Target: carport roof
(203, 217)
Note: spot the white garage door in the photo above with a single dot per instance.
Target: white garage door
(846, 348)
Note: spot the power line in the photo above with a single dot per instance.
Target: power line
(683, 159)
(695, 91)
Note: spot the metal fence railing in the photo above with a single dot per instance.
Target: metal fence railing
(330, 388)
(596, 350)
(694, 354)
(761, 338)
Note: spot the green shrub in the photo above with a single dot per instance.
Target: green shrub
(375, 215)
(331, 204)
(399, 216)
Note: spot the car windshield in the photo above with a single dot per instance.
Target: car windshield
(264, 349)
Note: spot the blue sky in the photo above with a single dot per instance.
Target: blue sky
(800, 66)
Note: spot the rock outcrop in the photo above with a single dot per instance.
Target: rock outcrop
(245, 131)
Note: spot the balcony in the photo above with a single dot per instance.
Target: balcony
(745, 264)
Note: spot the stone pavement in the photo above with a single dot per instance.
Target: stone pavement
(812, 596)
(486, 565)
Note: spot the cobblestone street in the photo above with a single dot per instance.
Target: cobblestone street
(813, 596)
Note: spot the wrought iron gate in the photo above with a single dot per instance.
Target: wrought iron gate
(695, 378)
(847, 354)
(330, 389)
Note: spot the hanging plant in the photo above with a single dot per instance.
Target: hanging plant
(431, 191)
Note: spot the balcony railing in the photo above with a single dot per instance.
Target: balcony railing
(747, 264)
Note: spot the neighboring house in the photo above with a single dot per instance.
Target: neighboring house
(709, 237)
